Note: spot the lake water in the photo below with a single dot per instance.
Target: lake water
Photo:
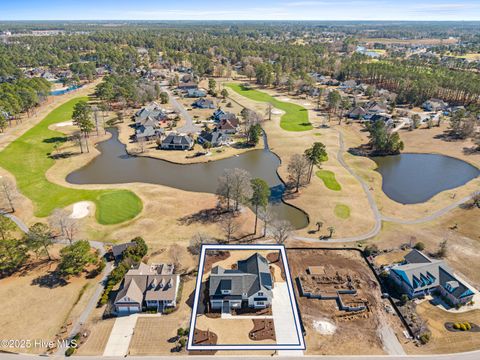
(415, 178)
(115, 166)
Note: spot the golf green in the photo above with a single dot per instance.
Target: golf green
(295, 117)
(28, 159)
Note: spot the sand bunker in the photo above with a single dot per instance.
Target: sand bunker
(80, 210)
(306, 104)
(277, 112)
(65, 123)
(324, 327)
(284, 99)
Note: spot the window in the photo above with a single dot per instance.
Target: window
(260, 293)
(260, 303)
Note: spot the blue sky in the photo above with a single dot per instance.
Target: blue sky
(240, 10)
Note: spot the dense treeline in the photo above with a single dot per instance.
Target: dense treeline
(416, 83)
(22, 95)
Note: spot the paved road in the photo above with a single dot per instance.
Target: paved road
(189, 126)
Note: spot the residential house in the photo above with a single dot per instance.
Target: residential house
(220, 115)
(187, 85)
(195, 93)
(248, 286)
(177, 142)
(357, 113)
(215, 138)
(151, 112)
(116, 253)
(150, 287)
(435, 105)
(419, 275)
(376, 107)
(204, 104)
(228, 126)
(148, 133)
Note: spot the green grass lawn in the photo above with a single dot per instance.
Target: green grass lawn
(342, 211)
(27, 158)
(328, 178)
(295, 117)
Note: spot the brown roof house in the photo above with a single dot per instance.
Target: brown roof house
(150, 287)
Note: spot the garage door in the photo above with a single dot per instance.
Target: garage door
(133, 309)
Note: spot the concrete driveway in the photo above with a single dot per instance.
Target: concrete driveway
(120, 336)
(283, 319)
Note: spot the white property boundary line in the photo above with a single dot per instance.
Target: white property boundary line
(300, 345)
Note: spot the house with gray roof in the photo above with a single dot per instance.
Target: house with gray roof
(215, 138)
(248, 286)
(149, 287)
(418, 275)
(177, 142)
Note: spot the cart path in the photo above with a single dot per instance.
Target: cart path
(376, 212)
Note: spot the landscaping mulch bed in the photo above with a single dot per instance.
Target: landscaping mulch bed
(449, 327)
(263, 329)
(212, 257)
(201, 337)
(249, 311)
(276, 258)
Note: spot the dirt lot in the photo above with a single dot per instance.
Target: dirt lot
(45, 308)
(358, 336)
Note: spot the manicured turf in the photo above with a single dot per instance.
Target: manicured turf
(27, 158)
(342, 211)
(295, 117)
(328, 178)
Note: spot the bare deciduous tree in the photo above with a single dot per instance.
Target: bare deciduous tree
(281, 230)
(234, 185)
(66, 226)
(9, 192)
(229, 226)
(196, 243)
(175, 253)
(267, 215)
(298, 170)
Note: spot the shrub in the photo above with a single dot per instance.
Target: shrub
(468, 326)
(463, 327)
(182, 342)
(424, 338)
(180, 332)
(69, 351)
(420, 246)
(370, 250)
(456, 326)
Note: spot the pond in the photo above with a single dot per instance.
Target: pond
(416, 178)
(115, 166)
(64, 91)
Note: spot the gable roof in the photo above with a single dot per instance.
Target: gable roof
(420, 273)
(253, 275)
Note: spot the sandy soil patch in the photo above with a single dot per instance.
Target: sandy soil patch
(324, 327)
(223, 328)
(277, 112)
(64, 123)
(81, 209)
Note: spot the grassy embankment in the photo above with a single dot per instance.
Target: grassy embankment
(27, 158)
(295, 117)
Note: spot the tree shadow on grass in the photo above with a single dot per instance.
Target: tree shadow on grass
(204, 216)
(56, 139)
(50, 280)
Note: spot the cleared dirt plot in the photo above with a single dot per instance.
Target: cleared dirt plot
(328, 330)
